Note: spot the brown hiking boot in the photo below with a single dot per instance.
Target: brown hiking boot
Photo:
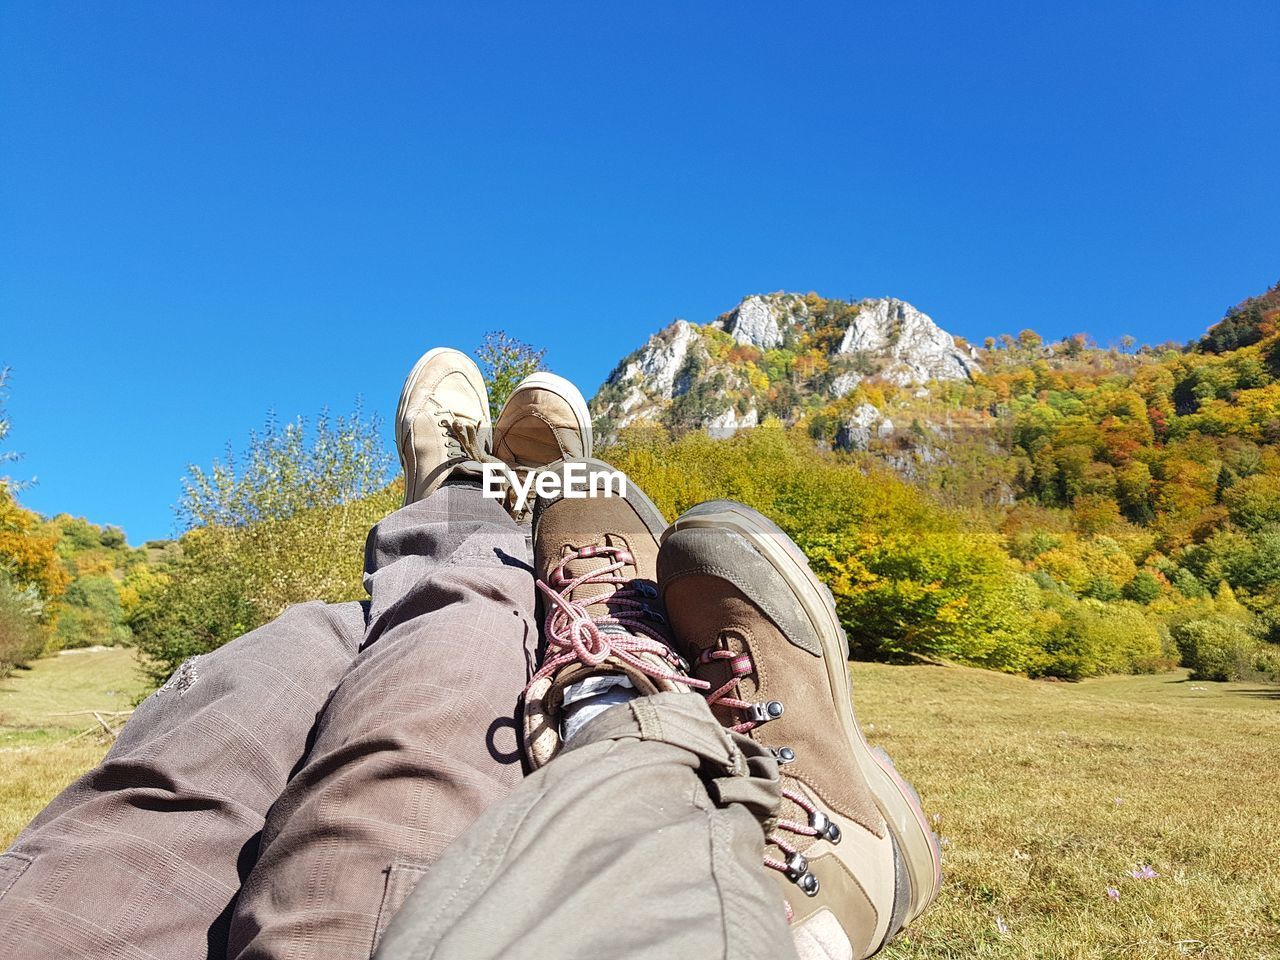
(442, 421)
(852, 848)
(545, 420)
(595, 558)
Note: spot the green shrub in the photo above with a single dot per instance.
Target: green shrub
(1143, 588)
(227, 581)
(909, 577)
(505, 361)
(1221, 647)
(198, 606)
(1188, 585)
(286, 470)
(287, 527)
(1045, 581)
(1089, 638)
(22, 637)
(91, 614)
(1102, 588)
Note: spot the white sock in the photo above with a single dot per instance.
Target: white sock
(592, 696)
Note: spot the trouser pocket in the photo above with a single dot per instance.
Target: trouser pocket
(401, 879)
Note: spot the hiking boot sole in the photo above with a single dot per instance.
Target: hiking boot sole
(897, 801)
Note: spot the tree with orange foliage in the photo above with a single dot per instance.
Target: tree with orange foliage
(27, 556)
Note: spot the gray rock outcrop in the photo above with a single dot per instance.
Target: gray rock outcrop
(730, 422)
(883, 339)
(759, 321)
(912, 347)
(863, 425)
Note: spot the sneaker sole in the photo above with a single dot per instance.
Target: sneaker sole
(562, 388)
(897, 800)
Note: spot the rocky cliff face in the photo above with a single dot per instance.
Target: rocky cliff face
(648, 377)
(778, 354)
(915, 349)
(759, 321)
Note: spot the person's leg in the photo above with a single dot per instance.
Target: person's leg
(643, 837)
(418, 738)
(600, 853)
(640, 834)
(142, 856)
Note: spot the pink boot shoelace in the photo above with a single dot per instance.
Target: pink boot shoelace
(625, 631)
(796, 866)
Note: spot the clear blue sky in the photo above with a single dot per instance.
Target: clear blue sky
(212, 210)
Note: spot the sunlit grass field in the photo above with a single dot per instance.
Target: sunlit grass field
(1047, 795)
(41, 753)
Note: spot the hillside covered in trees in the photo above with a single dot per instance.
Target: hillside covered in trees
(65, 583)
(1150, 476)
(1136, 488)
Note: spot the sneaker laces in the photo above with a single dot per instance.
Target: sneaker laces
(464, 441)
(625, 630)
(795, 865)
(462, 437)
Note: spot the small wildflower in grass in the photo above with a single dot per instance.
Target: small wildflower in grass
(1113, 894)
(1144, 872)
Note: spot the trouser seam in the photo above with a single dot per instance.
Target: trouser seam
(485, 861)
(714, 841)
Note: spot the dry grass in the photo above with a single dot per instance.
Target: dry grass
(1046, 793)
(1049, 793)
(41, 753)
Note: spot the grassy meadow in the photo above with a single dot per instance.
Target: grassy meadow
(40, 751)
(1047, 794)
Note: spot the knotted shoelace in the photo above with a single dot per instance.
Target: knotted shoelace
(624, 631)
(462, 438)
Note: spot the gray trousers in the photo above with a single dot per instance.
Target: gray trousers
(279, 797)
(282, 796)
(642, 839)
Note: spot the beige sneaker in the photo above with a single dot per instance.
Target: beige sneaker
(595, 559)
(545, 420)
(853, 850)
(442, 421)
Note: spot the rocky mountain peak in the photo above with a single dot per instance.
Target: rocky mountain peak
(916, 348)
(777, 353)
(759, 321)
